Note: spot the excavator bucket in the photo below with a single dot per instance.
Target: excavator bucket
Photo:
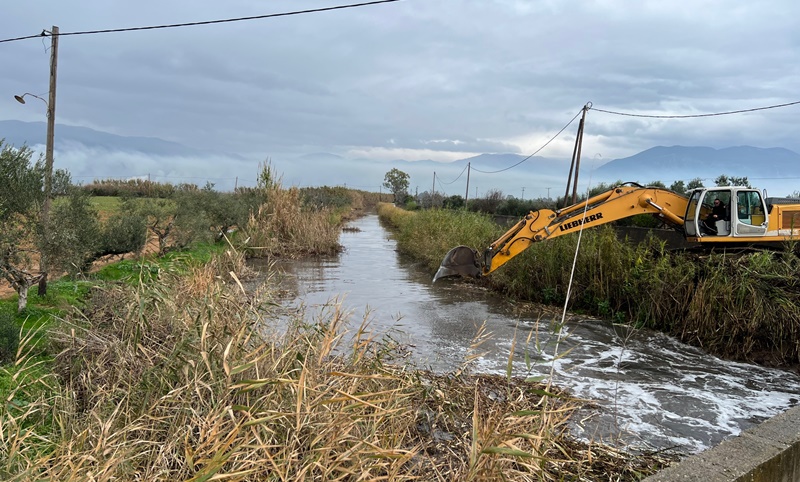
(459, 261)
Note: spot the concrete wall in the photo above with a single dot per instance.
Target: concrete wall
(769, 452)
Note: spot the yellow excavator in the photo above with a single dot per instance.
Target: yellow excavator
(713, 217)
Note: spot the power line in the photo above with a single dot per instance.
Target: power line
(652, 116)
(205, 22)
(454, 180)
(537, 150)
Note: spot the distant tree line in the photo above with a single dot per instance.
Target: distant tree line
(494, 202)
(135, 188)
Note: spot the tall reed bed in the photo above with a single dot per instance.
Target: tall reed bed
(284, 226)
(428, 235)
(742, 306)
(192, 378)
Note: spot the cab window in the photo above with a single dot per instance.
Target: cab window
(749, 208)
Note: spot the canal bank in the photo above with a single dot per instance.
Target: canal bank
(769, 452)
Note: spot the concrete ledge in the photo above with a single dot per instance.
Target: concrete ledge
(769, 452)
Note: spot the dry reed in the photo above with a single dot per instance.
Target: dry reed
(185, 379)
(283, 227)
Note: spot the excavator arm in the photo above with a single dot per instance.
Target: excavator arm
(617, 203)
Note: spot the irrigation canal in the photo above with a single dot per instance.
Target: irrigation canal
(651, 391)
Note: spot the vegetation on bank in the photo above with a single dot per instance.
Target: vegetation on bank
(165, 367)
(183, 375)
(744, 306)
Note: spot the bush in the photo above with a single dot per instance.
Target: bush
(411, 205)
(122, 233)
(454, 202)
(488, 204)
(325, 197)
(132, 188)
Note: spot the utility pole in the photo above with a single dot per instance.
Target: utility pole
(433, 189)
(466, 194)
(548, 193)
(576, 159)
(523, 193)
(48, 167)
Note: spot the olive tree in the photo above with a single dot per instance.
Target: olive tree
(81, 238)
(75, 237)
(397, 181)
(159, 216)
(223, 210)
(76, 233)
(21, 196)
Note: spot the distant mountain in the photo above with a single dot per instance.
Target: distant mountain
(89, 153)
(320, 156)
(494, 163)
(18, 133)
(686, 163)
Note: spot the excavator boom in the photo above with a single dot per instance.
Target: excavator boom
(617, 203)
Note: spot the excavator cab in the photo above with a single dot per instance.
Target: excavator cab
(743, 215)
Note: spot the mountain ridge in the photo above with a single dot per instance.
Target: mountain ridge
(84, 151)
(20, 133)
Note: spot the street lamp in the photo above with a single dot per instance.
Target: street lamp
(21, 100)
(48, 168)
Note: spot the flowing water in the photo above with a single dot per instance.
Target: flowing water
(650, 390)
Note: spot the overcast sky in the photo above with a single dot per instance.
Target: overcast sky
(415, 79)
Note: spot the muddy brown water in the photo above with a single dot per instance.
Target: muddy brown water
(650, 390)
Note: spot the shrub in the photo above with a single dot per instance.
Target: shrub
(130, 188)
(326, 197)
(122, 233)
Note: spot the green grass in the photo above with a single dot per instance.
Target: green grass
(65, 295)
(106, 205)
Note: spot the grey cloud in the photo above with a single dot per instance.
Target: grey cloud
(483, 72)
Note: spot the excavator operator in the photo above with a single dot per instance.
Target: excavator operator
(718, 213)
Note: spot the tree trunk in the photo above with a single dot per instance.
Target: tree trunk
(22, 290)
(21, 281)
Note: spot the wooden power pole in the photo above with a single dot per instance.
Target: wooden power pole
(48, 167)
